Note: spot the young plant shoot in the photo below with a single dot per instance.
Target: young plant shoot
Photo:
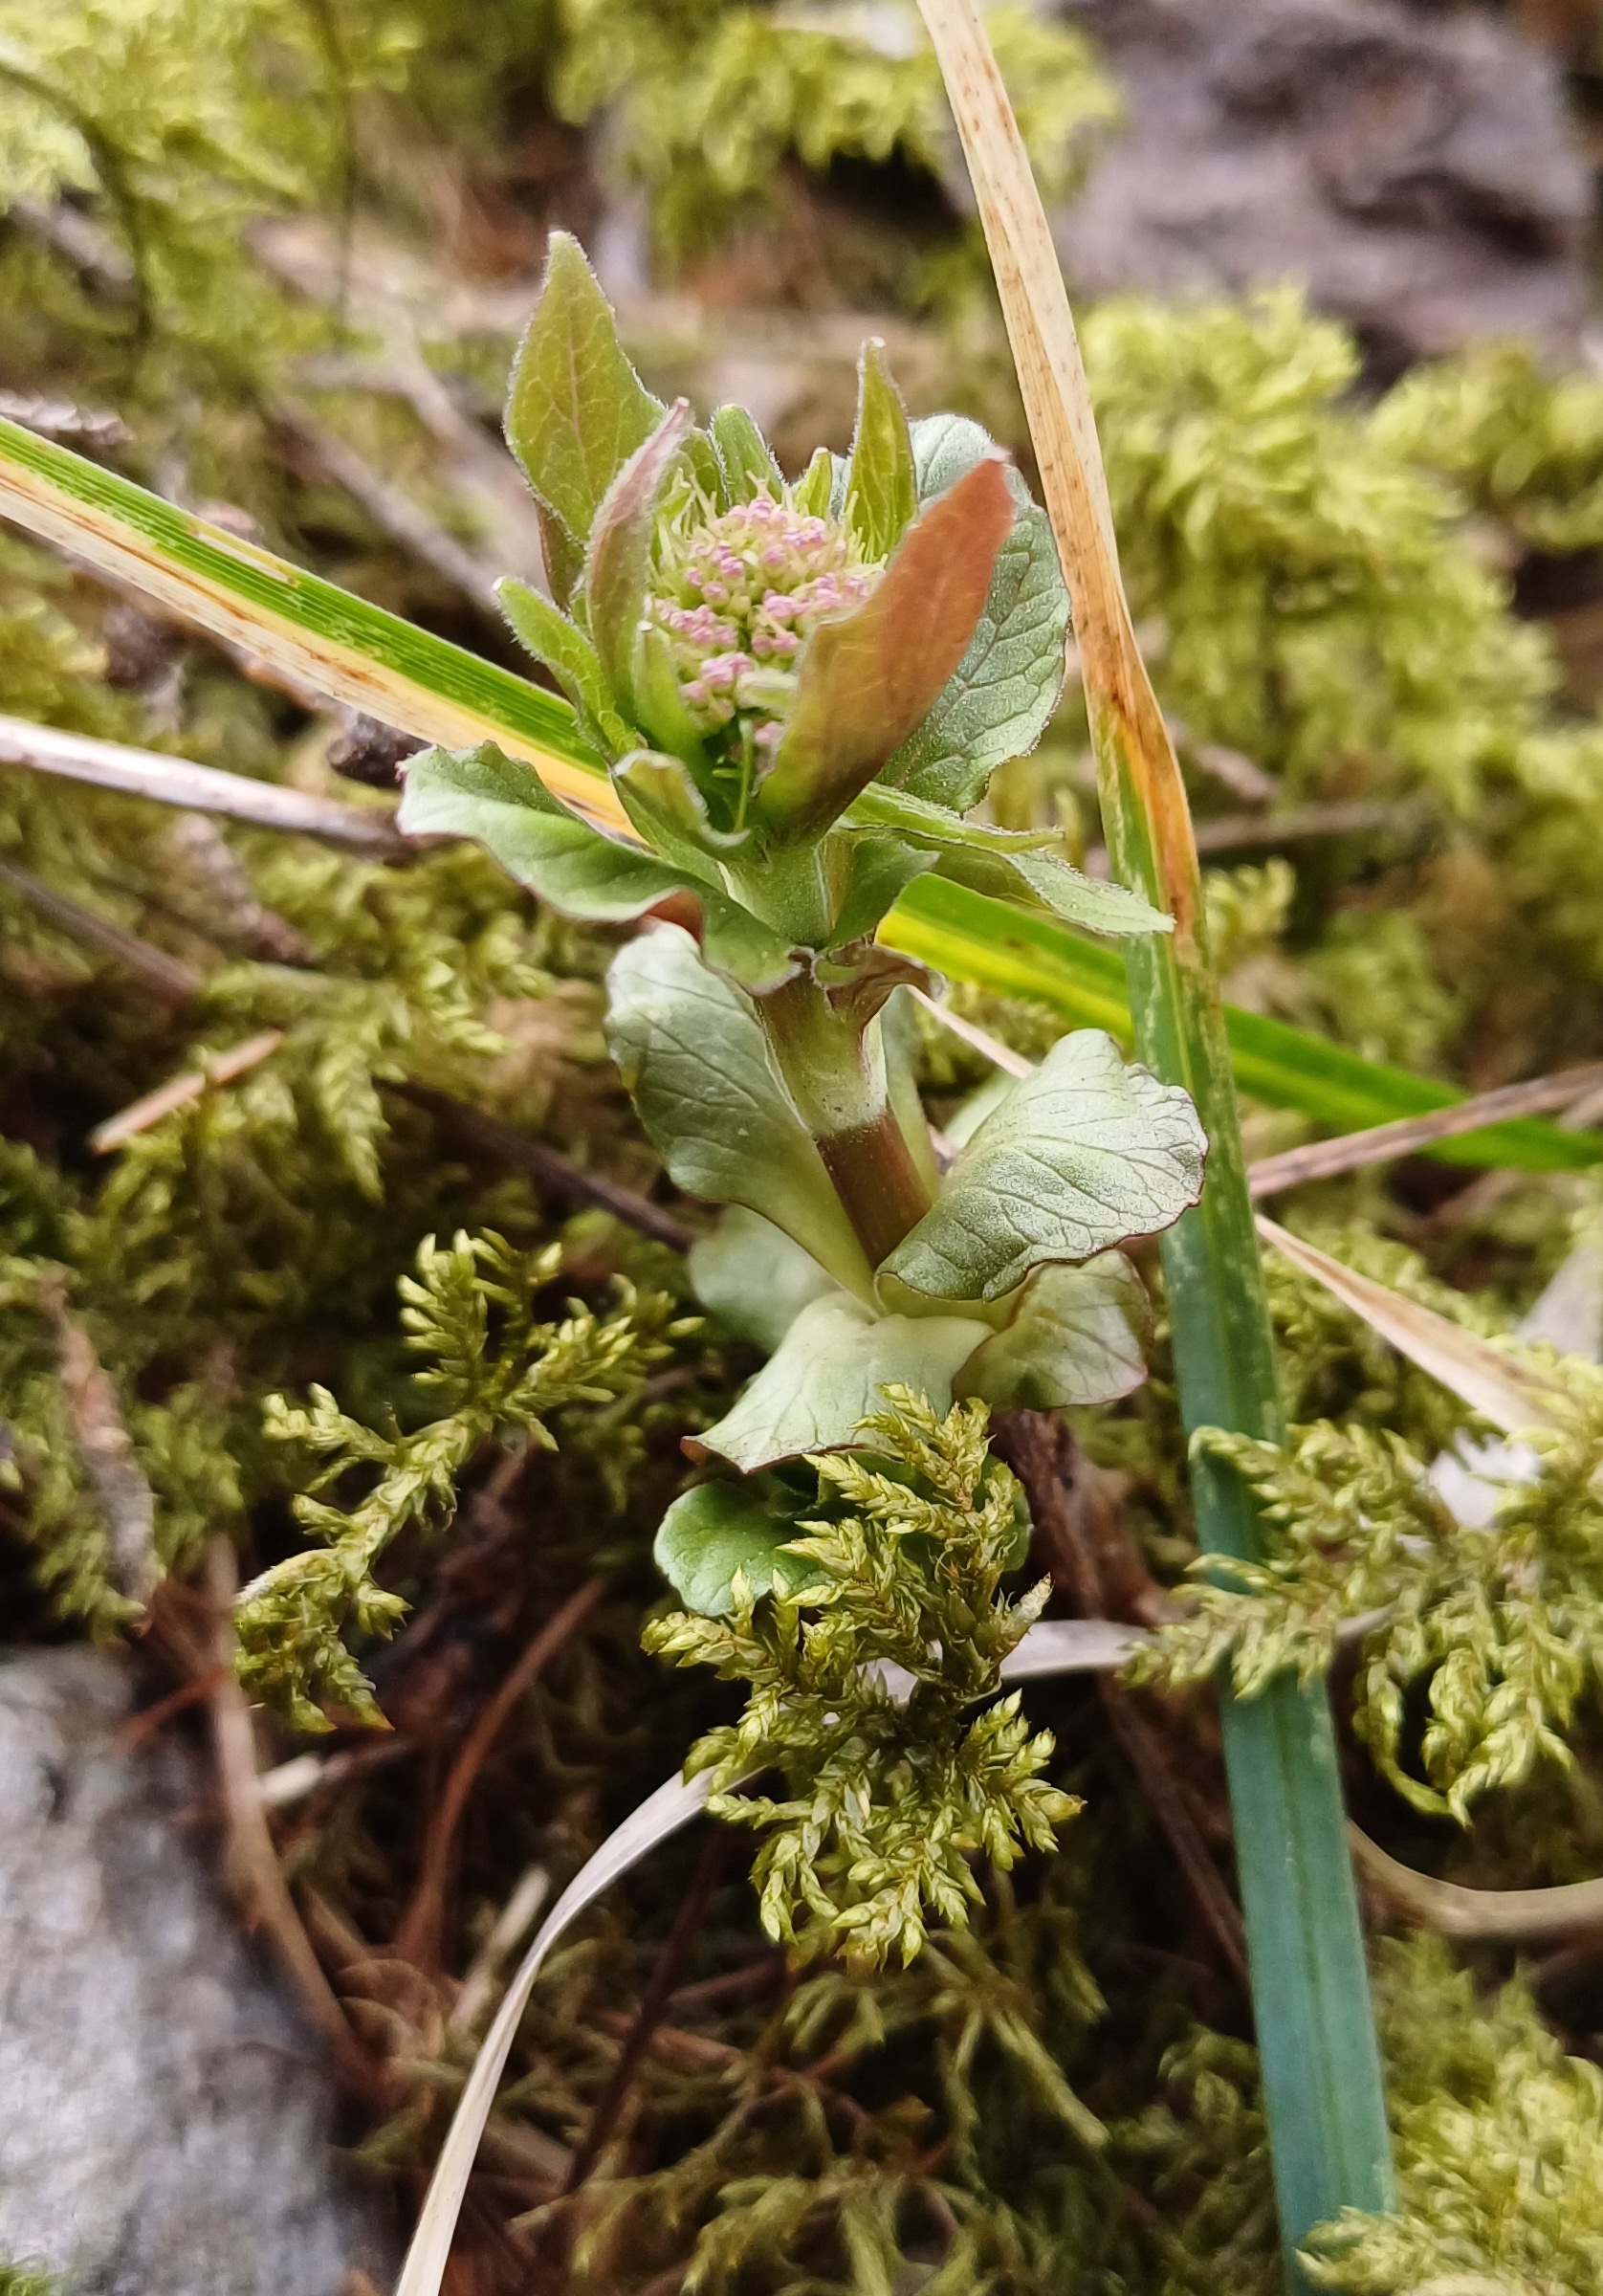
(800, 689)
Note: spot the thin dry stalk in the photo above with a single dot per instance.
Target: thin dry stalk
(418, 1938)
(550, 1168)
(252, 1868)
(395, 514)
(181, 1090)
(1379, 1143)
(1534, 1916)
(175, 782)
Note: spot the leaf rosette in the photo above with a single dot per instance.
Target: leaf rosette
(800, 691)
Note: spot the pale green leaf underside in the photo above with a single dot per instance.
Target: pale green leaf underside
(827, 1375)
(1085, 1152)
(417, 681)
(504, 804)
(692, 1052)
(1076, 1338)
(753, 1277)
(717, 1529)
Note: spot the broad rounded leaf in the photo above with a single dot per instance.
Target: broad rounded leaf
(717, 1529)
(576, 408)
(692, 1053)
(1084, 1152)
(827, 1376)
(1077, 1337)
(753, 1277)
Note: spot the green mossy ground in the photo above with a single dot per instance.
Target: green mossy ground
(1062, 2098)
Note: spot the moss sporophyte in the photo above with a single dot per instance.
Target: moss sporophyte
(800, 691)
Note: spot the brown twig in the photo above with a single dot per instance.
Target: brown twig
(418, 1938)
(550, 1167)
(119, 1482)
(252, 1864)
(653, 2003)
(1101, 1573)
(1377, 1143)
(166, 977)
(203, 788)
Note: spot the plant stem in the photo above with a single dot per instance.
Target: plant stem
(834, 1070)
(1321, 2062)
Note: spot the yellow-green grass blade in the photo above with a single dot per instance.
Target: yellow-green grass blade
(292, 622)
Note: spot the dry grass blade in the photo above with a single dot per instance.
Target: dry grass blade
(120, 1484)
(165, 977)
(254, 1867)
(1056, 1646)
(1509, 1393)
(180, 1091)
(662, 1814)
(1377, 1143)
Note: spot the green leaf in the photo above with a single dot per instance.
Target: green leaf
(1077, 1336)
(357, 654)
(505, 806)
(1000, 697)
(717, 1529)
(753, 1277)
(1083, 1153)
(881, 488)
(1005, 862)
(811, 494)
(748, 467)
(827, 1375)
(576, 408)
(874, 874)
(618, 559)
(692, 1053)
(660, 703)
(570, 657)
(670, 811)
(945, 447)
(866, 680)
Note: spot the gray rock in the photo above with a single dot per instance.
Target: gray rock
(164, 2121)
(1416, 169)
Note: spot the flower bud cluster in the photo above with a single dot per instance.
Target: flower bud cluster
(737, 594)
